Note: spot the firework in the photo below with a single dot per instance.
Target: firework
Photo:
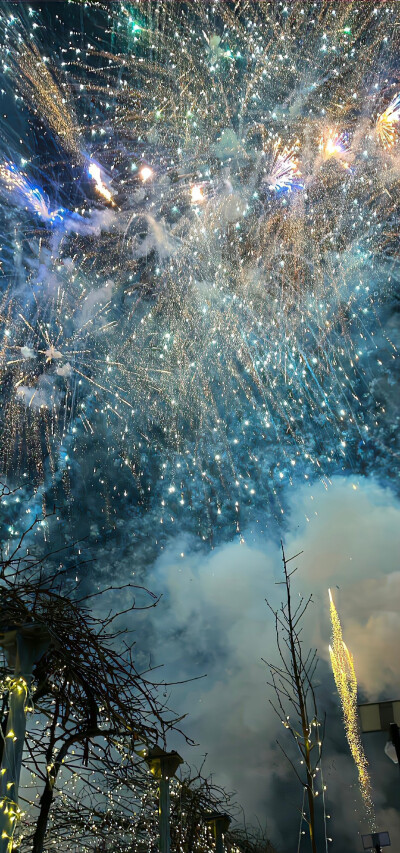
(45, 94)
(284, 173)
(346, 683)
(17, 185)
(387, 125)
(95, 173)
(189, 161)
(334, 144)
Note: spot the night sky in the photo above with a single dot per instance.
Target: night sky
(199, 326)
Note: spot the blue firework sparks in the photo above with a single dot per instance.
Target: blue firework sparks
(204, 275)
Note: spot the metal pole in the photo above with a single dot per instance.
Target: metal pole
(219, 845)
(24, 647)
(163, 809)
(12, 760)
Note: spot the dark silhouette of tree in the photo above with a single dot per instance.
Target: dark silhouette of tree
(88, 705)
(125, 820)
(295, 703)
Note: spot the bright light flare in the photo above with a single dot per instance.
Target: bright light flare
(346, 684)
(146, 173)
(95, 173)
(334, 144)
(196, 194)
(387, 126)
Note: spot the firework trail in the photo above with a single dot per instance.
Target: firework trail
(346, 684)
(199, 227)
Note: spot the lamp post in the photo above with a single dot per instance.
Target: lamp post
(381, 717)
(23, 647)
(375, 841)
(219, 823)
(163, 765)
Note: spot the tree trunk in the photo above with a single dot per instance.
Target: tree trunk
(303, 715)
(41, 826)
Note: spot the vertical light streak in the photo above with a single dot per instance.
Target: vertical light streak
(346, 684)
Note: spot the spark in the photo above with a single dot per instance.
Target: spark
(334, 143)
(42, 91)
(15, 182)
(346, 684)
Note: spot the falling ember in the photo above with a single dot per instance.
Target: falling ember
(387, 126)
(346, 684)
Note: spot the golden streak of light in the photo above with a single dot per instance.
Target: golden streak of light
(102, 189)
(43, 92)
(346, 684)
(333, 143)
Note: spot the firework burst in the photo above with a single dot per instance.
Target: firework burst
(387, 126)
(186, 177)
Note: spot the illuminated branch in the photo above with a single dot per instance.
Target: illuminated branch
(292, 681)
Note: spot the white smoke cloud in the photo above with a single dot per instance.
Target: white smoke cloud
(213, 619)
(27, 352)
(158, 239)
(94, 300)
(64, 370)
(43, 395)
(93, 225)
(227, 145)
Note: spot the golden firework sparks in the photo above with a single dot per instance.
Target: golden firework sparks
(346, 683)
(387, 125)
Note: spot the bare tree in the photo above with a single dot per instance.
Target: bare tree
(91, 705)
(249, 840)
(295, 704)
(123, 816)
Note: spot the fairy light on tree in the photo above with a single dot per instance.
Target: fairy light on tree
(296, 705)
(90, 701)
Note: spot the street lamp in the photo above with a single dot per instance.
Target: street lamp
(219, 823)
(382, 717)
(375, 841)
(163, 765)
